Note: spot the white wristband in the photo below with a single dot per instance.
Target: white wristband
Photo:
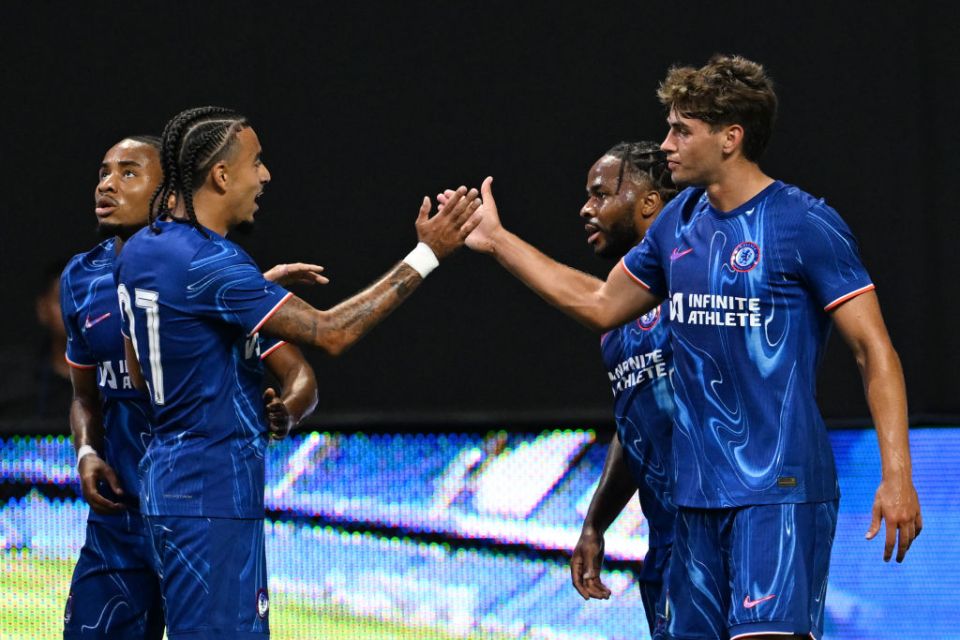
(85, 450)
(422, 259)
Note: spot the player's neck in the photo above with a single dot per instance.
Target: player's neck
(211, 212)
(737, 185)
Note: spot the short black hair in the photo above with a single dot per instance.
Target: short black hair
(153, 141)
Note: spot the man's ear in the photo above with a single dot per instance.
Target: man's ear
(650, 203)
(732, 138)
(220, 176)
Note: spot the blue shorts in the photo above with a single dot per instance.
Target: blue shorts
(750, 570)
(115, 592)
(213, 575)
(651, 580)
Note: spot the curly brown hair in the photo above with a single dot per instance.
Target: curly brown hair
(727, 90)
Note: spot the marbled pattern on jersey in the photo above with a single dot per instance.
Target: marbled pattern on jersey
(91, 317)
(639, 362)
(747, 293)
(196, 303)
(760, 569)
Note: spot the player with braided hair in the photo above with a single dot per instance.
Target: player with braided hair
(193, 302)
(626, 189)
(756, 272)
(115, 590)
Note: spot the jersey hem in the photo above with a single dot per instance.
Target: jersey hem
(755, 502)
(270, 313)
(853, 294)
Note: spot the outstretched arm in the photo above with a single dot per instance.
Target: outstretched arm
(298, 387)
(614, 490)
(339, 328)
(861, 324)
(86, 424)
(598, 304)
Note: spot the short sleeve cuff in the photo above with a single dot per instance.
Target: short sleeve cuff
(848, 296)
(78, 365)
(633, 276)
(265, 354)
(270, 313)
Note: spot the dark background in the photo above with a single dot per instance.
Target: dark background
(364, 109)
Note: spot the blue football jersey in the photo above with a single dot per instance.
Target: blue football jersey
(749, 291)
(639, 361)
(192, 307)
(91, 317)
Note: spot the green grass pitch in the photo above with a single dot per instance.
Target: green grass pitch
(34, 592)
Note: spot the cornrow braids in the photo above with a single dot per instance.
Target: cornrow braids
(193, 141)
(646, 159)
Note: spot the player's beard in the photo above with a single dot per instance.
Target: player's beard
(620, 237)
(122, 231)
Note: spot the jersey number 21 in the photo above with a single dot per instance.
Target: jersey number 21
(148, 301)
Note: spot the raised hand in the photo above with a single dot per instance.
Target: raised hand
(483, 238)
(585, 565)
(446, 231)
(279, 420)
(92, 470)
(296, 273)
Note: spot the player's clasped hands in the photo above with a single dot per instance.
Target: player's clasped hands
(455, 219)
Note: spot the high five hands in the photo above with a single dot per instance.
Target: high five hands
(482, 237)
(457, 217)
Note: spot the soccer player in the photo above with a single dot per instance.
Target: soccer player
(626, 189)
(755, 271)
(115, 590)
(192, 301)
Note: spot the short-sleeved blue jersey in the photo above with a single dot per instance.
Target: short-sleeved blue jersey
(192, 306)
(91, 317)
(749, 292)
(639, 361)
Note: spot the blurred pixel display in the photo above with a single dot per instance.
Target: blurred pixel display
(465, 536)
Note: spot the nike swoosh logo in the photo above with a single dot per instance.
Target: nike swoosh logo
(750, 604)
(676, 255)
(90, 323)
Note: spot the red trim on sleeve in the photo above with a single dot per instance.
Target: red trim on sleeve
(633, 277)
(270, 313)
(853, 294)
(77, 365)
(263, 356)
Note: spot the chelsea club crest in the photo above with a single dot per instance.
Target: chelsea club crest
(649, 320)
(745, 257)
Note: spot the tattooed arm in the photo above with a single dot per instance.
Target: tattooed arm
(336, 330)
